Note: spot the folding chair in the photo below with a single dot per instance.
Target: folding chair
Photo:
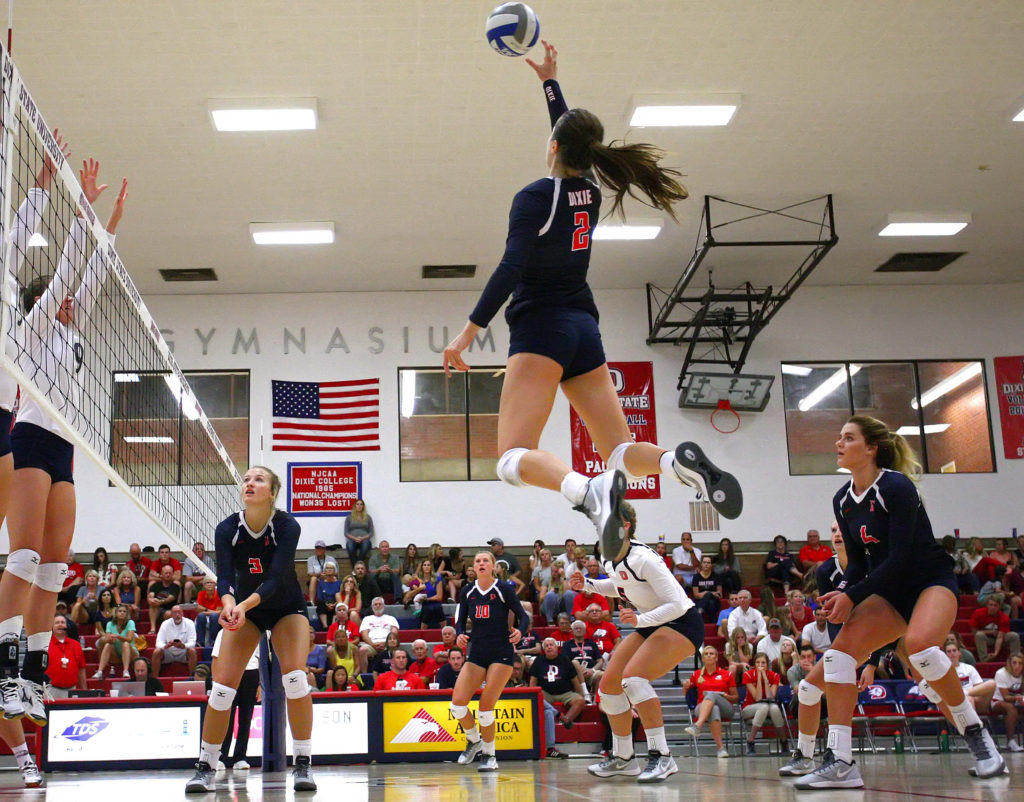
(879, 706)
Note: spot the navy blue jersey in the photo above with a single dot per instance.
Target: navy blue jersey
(888, 536)
(547, 252)
(488, 611)
(258, 562)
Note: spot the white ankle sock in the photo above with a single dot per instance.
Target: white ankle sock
(622, 746)
(39, 641)
(303, 748)
(488, 747)
(209, 754)
(964, 715)
(656, 740)
(840, 741)
(472, 735)
(574, 487)
(806, 745)
(11, 628)
(667, 462)
(22, 755)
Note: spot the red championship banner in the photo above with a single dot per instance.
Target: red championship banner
(1010, 389)
(634, 383)
(323, 488)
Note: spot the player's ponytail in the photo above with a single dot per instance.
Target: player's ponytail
(894, 451)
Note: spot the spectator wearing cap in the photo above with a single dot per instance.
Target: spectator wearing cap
(747, 617)
(816, 634)
(771, 646)
(66, 662)
(61, 608)
(315, 564)
(498, 550)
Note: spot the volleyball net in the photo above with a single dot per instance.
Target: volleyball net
(77, 336)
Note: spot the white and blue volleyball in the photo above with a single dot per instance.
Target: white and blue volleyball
(512, 29)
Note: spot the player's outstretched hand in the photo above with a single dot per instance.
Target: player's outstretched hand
(45, 175)
(91, 169)
(547, 70)
(118, 210)
(576, 582)
(867, 677)
(453, 351)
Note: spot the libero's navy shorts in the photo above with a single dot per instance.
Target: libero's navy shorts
(6, 421)
(904, 597)
(484, 653)
(568, 336)
(35, 447)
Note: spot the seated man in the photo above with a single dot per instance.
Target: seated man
(386, 569)
(175, 642)
(164, 593)
(814, 553)
(74, 580)
(586, 654)
(368, 587)
(208, 607)
(991, 628)
(723, 616)
(564, 631)
(192, 574)
(448, 638)
(374, 630)
(558, 678)
(449, 663)
(315, 565)
(802, 668)
(423, 665)
(747, 617)
(604, 633)
(772, 645)
(163, 557)
(584, 600)
(399, 678)
(816, 634)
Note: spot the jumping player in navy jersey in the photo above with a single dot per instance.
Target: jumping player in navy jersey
(898, 583)
(669, 629)
(553, 321)
(257, 583)
(482, 622)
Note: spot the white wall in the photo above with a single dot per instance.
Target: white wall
(385, 331)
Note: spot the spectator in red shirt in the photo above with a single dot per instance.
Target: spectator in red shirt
(164, 558)
(208, 607)
(564, 631)
(448, 637)
(605, 633)
(66, 662)
(814, 553)
(343, 617)
(399, 678)
(991, 627)
(762, 686)
(73, 581)
(422, 663)
(716, 695)
(662, 551)
(584, 599)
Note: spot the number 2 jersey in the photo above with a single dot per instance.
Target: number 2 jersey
(259, 562)
(642, 581)
(890, 546)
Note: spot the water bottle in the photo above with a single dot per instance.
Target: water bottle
(897, 741)
(944, 741)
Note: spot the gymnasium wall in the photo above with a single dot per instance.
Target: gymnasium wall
(372, 335)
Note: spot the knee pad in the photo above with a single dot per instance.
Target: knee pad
(928, 692)
(24, 564)
(614, 704)
(459, 711)
(617, 461)
(808, 694)
(931, 663)
(485, 718)
(508, 467)
(295, 684)
(840, 668)
(221, 696)
(50, 576)
(638, 690)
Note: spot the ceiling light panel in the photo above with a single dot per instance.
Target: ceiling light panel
(924, 224)
(264, 114)
(292, 233)
(682, 110)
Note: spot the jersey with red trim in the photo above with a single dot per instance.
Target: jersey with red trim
(487, 611)
(642, 581)
(259, 562)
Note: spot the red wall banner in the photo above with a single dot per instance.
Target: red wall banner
(1010, 389)
(634, 384)
(323, 488)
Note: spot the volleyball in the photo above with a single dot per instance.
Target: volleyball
(512, 29)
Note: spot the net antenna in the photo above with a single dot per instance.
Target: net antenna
(122, 398)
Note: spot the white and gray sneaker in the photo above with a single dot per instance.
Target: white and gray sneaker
(614, 766)
(659, 767)
(833, 773)
(30, 775)
(719, 487)
(603, 506)
(987, 760)
(470, 752)
(203, 781)
(302, 774)
(488, 763)
(33, 696)
(797, 766)
(11, 691)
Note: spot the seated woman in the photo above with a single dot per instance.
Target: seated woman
(966, 656)
(456, 575)
(338, 680)
(341, 653)
(788, 657)
(780, 567)
(501, 571)
(382, 662)
(557, 596)
(105, 608)
(716, 695)
(798, 615)
(118, 638)
(430, 599)
(727, 567)
(351, 596)
(1001, 553)
(1008, 700)
(316, 661)
(423, 573)
(410, 565)
(87, 599)
(978, 691)
(766, 605)
(707, 590)
(126, 592)
(328, 592)
(967, 581)
(739, 653)
(762, 687)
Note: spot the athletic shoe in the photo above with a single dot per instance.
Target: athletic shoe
(835, 773)
(34, 695)
(98, 675)
(488, 763)
(203, 782)
(31, 776)
(615, 766)
(240, 765)
(10, 689)
(470, 752)
(723, 752)
(720, 488)
(987, 760)
(602, 505)
(693, 730)
(554, 754)
(302, 774)
(1013, 746)
(751, 750)
(221, 766)
(659, 768)
(797, 766)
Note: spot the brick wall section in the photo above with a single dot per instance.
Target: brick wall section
(444, 436)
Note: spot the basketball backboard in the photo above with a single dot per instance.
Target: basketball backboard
(744, 392)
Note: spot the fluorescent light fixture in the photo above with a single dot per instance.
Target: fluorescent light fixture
(292, 233)
(408, 393)
(915, 431)
(682, 110)
(828, 386)
(923, 224)
(149, 439)
(796, 370)
(37, 240)
(1020, 117)
(624, 231)
(127, 377)
(951, 382)
(264, 114)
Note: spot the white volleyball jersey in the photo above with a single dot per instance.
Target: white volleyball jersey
(642, 581)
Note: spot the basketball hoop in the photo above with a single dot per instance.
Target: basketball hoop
(724, 410)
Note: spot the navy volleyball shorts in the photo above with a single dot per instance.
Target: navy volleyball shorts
(6, 421)
(690, 625)
(36, 447)
(266, 618)
(484, 653)
(904, 598)
(568, 336)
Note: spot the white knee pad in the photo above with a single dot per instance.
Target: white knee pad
(50, 576)
(614, 703)
(840, 668)
(638, 690)
(295, 684)
(508, 467)
(617, 461)
(221, 696)
(928, 692)
(459, 711)
(931, 663)
(485, 718)
(808, 694)
(24, 564)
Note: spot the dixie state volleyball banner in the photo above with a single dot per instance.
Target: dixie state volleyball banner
(634, 384)
(1010, 389)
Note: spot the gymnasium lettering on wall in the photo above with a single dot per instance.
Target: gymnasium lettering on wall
(295, 341)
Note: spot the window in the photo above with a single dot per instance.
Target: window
(939, 406)
(448, 428)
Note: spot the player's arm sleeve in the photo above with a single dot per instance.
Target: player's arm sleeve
(284, 558)
(903, 503)
(525, 220)
(517, 607)
(606, 587)
(60, 285)
(664, 587)
(225, 563)
(823, 578)
(856, 561)
(875, 657)
(25, 224)
(556, 103)
(92, 282)
(461, 613)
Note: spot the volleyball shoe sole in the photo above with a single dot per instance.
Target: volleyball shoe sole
(719, 487)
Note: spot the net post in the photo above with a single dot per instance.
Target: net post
(275, 716)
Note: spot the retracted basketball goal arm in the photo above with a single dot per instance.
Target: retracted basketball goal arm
(719, 326)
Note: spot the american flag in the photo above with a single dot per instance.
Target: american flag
(326, 416)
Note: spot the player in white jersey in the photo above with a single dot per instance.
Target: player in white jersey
(668, 630)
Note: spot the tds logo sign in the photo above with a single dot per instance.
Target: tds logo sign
(85, 728)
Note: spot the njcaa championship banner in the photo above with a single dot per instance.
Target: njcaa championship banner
(428, 725)
(634, 385)
(1010, 389)
(323, 488)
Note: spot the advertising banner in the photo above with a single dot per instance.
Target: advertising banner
(428, 726)
(323, 488)
(1010, 389)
